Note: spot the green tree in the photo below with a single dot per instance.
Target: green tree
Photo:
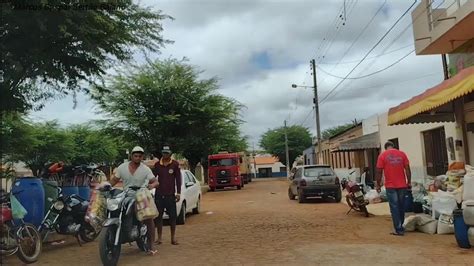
(57, 47)
(165, 102)
(92, 145)
(48, 142)
(273, 141)
(15, 135)
(328, 133)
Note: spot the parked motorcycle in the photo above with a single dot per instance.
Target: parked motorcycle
(121, 225)
(355, 197)
(17, 237)
(66, 216)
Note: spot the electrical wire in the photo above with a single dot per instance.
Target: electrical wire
(307, 116)
(373, 48)
(368, 75)
(376, 56)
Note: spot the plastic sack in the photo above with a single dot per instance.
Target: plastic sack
(445, 224)
(468, 193)
(470, 236)
(18, 211)
(373, 196)
(443, 202)
(419, 192)
(146, 208)
(410, 223)
(426, 224)
(97, 210)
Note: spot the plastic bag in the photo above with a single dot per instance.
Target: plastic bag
(97, 210)
(445, 224)
(372, 195)
(443, 202)
(146, 208)
(426, 224)
(410, 223)
(18, 211)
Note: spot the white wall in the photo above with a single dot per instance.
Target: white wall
(411, 141)
(275, 167)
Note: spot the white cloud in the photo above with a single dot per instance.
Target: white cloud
(224, 38)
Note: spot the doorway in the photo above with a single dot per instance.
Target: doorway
(265, 172)
(436, 153)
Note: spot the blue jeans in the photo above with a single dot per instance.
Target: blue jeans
(396, 200)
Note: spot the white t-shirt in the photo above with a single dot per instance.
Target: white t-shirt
(140, 178)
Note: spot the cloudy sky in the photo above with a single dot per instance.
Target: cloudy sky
(258, 48)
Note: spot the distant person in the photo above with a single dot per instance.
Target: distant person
(56, 167)
(168, 193)
(394, 165)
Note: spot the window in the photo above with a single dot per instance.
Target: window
(282, 169)
(190, 177)
(299, 173)
(223, 162)
(318, 171)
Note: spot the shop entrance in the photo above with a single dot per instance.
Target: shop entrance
(436, 154)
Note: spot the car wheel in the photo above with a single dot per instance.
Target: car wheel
(239, 187)
(198, 206)
(182, 215)
(212, 189)
(291, 196)
(301, 198)
(338, 197)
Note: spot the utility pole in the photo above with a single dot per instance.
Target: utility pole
(316, 109)
(287, 154)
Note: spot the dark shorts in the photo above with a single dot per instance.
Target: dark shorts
(167, 203)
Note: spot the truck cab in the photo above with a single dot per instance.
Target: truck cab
(224, 171)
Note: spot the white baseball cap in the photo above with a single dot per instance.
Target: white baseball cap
(138, 149)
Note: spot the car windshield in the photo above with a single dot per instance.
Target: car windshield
(223, 162)
(318, 171)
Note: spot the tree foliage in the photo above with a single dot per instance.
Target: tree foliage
(49, 50)
(273, 141)
(165, 102)
(328, 133)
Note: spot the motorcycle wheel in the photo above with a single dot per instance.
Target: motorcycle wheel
(88, 233)
(109, 253)
(351, 203)
(142, 241)
(29, 243)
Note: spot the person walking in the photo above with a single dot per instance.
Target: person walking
(136, 174)
(394, 165)
(168, 193)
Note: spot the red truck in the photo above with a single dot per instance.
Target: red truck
(224, 171)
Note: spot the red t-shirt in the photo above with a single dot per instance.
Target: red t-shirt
(393, 163)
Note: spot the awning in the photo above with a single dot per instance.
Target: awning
(436, 97)
(370, 141)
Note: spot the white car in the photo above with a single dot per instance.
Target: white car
(191, 196)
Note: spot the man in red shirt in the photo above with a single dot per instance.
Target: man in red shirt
(168, 193)
(394, 165)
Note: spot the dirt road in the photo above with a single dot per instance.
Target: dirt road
(260, 225)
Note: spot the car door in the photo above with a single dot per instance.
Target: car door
(196, 188)
(192, 189)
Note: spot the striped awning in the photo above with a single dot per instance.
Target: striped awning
(445, 92)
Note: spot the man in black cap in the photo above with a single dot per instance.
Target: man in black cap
(168, 193)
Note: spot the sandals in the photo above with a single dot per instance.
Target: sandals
(152, 252)
(397, 234)
(174, 243)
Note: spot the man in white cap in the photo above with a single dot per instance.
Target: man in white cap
(136, 174)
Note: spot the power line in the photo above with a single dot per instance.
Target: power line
(367, 54)
(368, 75)
(376, 56)
(307, 116)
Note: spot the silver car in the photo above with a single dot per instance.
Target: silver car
(312, 181)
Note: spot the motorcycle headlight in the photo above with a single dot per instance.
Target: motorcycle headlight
(112, 204)
(58, 205)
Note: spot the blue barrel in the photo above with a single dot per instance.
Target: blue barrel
(408, 201)
(68, 191)
(30, 193)
(84, 192)
(460, 229)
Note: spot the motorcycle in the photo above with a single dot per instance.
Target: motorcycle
(66, 216)
(121, 225)
(22, 238)
(355, 195)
